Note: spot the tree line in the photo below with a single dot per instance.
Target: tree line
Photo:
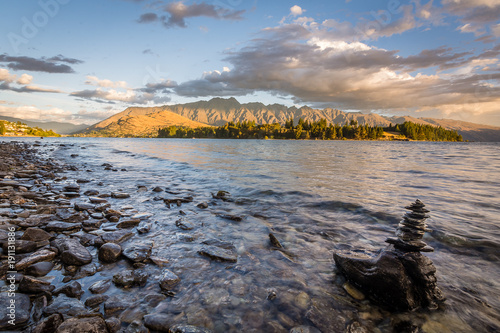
(307, 130)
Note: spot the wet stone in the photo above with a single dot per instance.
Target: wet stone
(274, 241)
(21, 246)
(100, 286)
(304, 329)
(36, 235)
(81, 206)
(168, 280)
(95, 300)
(138, 252)
(94, 324)
(39, 256)
(39, 269)
(129, 278)
(189, 329)
(66, 306)
(92, 224)
(130, 223)
(158, 322)
(22, 309)
(49, 324)
(202, 205)
(184, 224)
(91, 193)
(58, 226)
(157, 189)
(110, 252)
(72, 252)
(114, 305)
(114, 237)
(218, 254)
(120, 195)
(31, 285)
(72, 289)
(113, 324)
(143, 227)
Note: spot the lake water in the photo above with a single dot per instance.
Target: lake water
(316, 197)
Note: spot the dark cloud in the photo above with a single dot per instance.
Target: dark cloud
(129, 96)
(148, 18)
(178, 12)
(55, 64)
(163, 87)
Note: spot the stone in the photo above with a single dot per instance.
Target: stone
(97, 200)
(129, 278)
(30, 285)
(120, 195)
(41, 255)
(90, 193)
(399, 278)
(157, 189)
(49, 324)
(72, 289)
(93, 324)
(83, 206)
(85, 270)
(68, 307)
(114, 324)
(91, 224)
(58, 226)
(137, 327)
(20, 246)
(274, 241)
(39, 269)
(130, 223)
(72, 252)
(141, 216)
(71, 188)
(202, 205)
(353, 291)
(158, 322)
(218, 254)
(184, 224)
(188, 329)
(95, 300)
(114, 237)
(36, 235)
(100, 287)
(84, 238)
(235, 218)
(143, 227)
(110, 252)
(168, 280)
(304, 329)
(138, 252)
(22, 310)
(114, 305)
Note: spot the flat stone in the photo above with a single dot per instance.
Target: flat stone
(110, 252)
(68, 307)
(85, 270)
(92, 224)
(141, 216)
(189, 329)
(20, 246)
(95, 300)
(36, 235)
(100, 287)
(36, 220)
(114, 305)
(39, 269)
(94, 324)
(84, 238)
(81, 206)
(72, 252)
(218, 254)
(30, 285)
(129, 278)
(184, 224)
(120, 195)
(71, 194)
(130, 223)
(158, 322)
(72, 289)
(91, 193)
(138, 252)
(59, 226)
(22, 310)
(115, 236)
(168, 280)
(71, 188)
(49, 324)
(39, 256)
(97, 200)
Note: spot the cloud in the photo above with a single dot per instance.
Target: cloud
(57, 64)
(177, 13)
(22, 84)
(34, 113)
(318, 66)
(477, 16)
(111, 92)
(296, 11)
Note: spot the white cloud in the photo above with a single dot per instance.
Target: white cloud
(5, 76)
(33, 113)
(95, 81)
(296, 11)
(25, 79)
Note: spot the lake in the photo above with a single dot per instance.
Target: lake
(316, 197)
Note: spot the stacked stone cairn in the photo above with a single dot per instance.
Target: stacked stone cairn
(399, 278)
(411, 230)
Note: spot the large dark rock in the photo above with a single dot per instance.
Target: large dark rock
(36, 235)
(129, 278)
(100, 287)
(138, 252)
(399, 278)
(94, 324)
(20, 246)
(49, 324)
(72, 289)
(168, 280)
(68, 307)
(30, 285)
(59, 226)
(158, 322)
(72, 252)
(39, 256)
(39, 269)
(19, 311)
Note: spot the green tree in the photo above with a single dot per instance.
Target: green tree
(2, 128)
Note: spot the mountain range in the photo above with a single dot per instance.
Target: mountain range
(145, 121)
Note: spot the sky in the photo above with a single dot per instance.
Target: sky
(83, 61)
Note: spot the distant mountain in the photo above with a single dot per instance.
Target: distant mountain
(219, 111)
(143, 122)
(58, 127)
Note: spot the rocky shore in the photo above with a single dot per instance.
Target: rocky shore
(75, 259)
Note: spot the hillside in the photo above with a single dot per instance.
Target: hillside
(142, 122)
(8, 128)
(219, 111)
(58, 127)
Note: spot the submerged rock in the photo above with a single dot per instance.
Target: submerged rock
(129, 278)
(218, 253)
(399, 278)
(20, 311)
(110, 252)
(94, 324)
(72, 252)
(139, 252)
(100, 286)
(168, 280)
